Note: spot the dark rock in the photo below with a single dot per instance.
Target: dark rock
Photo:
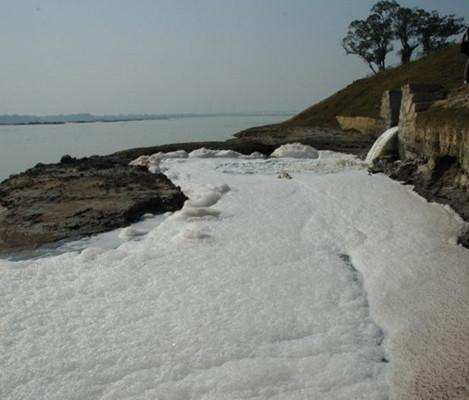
(67, 159)
(69, 200)
(403, 171)
(464, 240)
(317, 137)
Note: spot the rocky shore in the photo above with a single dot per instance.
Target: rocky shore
(266, 139)
(74, 198)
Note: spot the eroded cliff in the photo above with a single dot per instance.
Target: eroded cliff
(433, 146)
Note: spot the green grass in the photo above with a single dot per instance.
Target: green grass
(363, 97)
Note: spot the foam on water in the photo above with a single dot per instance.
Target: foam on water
(295, 150)
(252, 290)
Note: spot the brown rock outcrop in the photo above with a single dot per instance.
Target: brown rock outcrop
(415, 141)
(74, 198)
(364, 125)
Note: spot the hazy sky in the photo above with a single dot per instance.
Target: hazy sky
(156, 56)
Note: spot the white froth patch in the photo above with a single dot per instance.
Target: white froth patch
(327, 162)
(152, 162)
(208, 153)
(223, 188)
(206, 199)
(193, 233)
(198, 212)
(140, 161)
(295, 150)
(130, 233)
(255, 155)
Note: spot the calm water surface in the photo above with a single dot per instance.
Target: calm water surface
(21, 147)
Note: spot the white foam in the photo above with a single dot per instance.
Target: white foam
(223, 188)
(295, 150)
(255, 155)
(193, 233)
(208, 153)
(205, 199)
(130, 233)
(198, 212)
(152, 162)
(141, 161)
(327, 162)
(260, 301)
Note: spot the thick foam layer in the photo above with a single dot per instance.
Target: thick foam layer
(262, 301)
(295, 150)
(152, 162)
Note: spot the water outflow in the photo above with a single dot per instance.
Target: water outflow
(382, 144)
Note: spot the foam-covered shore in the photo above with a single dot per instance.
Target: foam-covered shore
(70, 199)
(250, 290)
(415, 274)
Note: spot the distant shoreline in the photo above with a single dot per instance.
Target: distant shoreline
(75, 122)
(24, 120)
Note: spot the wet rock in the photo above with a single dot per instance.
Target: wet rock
(75, 198)
(403, 171)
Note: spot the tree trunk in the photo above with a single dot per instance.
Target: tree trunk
(406, 54)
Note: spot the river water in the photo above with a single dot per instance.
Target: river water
(23, 146)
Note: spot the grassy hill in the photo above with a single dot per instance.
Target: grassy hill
(363, 97)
